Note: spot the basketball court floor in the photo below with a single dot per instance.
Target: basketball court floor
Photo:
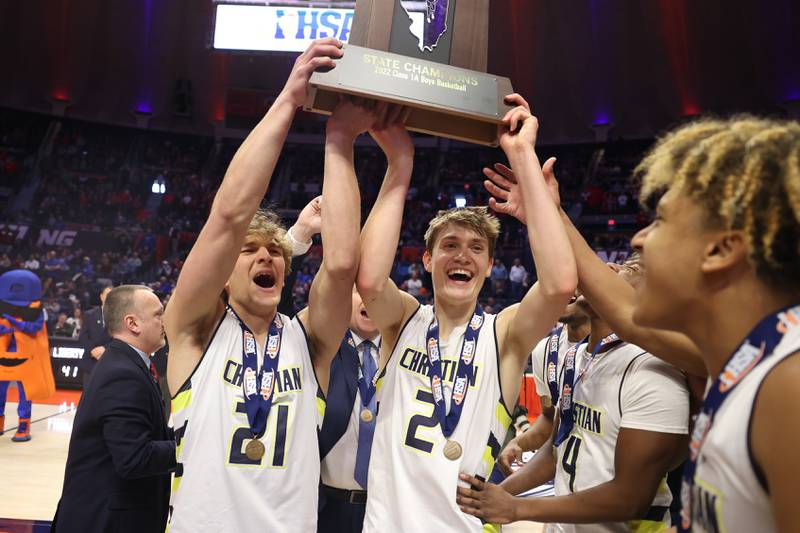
(33, 472)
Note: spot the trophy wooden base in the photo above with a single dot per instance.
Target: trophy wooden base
(445, 101)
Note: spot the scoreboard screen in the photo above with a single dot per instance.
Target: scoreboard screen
(65, 357)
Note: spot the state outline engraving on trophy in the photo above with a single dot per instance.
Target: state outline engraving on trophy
(428, 21)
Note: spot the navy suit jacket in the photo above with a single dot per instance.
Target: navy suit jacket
(342, 387)
(93, 334)
(120, 452)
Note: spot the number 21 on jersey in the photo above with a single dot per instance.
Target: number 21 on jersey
(276, 435)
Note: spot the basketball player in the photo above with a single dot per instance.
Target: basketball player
(623, 422)
(721, 258)
(722, 264)
(245, 378)
(574, 327)
(451, 355)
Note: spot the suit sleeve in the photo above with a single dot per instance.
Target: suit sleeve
(90, 337)
(128, 427)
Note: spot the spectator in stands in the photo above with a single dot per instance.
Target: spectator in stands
(54, 262)
(87, 268)
(413, 285)
(135, 262)
(304, 278)
(62, 328)
(499, 277)
(76, 322)
(518, 277)
(31, 264)
(53, 308)
(165, 269)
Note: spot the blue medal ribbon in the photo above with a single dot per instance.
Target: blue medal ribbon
(755, 349)
(366, 387)
(258, 386)
(449, 421)
(567, 405)
(551, 368)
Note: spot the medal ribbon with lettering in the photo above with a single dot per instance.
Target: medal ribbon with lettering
(551, 368)
(567, 405)
(754, 350)
(449, 421)
(258, 386)
(365, 387)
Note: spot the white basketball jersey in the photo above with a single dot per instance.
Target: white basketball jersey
(728, 495)
(216, 487)
(412, 485)
(624, 387)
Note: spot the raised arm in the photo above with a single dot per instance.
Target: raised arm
(328, 311)
(610, 296)
(387, 305)
(614, 299)
(308, 224)
(520, 327)
(195, 303)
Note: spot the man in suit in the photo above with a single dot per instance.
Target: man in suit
(94, 337)
(348, 426)
(121, 451)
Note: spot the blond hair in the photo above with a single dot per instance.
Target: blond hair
(267, 226)
(477, 219)
(744, 172)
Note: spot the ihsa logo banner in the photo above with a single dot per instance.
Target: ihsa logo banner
(277, 28)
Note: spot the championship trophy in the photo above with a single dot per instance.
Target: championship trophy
(428, 55)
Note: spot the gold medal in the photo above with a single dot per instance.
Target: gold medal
(254, 450)
(452, 449)
(366, 415)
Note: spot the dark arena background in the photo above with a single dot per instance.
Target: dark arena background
(118, 120)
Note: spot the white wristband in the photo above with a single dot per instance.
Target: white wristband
(298, 248)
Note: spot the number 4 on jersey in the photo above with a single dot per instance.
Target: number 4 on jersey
(570, 459)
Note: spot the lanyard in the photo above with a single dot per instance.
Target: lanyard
(449, 421)
(551, 373)
(755, 349)
(566, 405)
(258, 386)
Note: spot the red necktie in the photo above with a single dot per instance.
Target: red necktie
(154, 371)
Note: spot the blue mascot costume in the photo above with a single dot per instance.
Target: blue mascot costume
(24, 350)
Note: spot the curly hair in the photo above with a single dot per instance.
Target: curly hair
(744, 172)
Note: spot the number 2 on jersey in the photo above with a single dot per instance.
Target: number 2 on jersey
(570, 459)
(237, 456)
(416, 421)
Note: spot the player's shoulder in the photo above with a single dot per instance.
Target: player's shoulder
(784, 375)
(641, 364)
